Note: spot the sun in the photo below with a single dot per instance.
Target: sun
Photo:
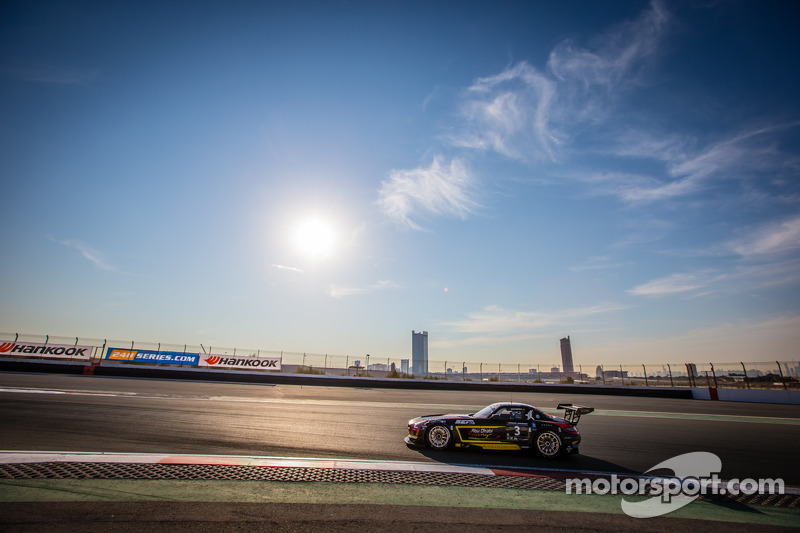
(315, 238)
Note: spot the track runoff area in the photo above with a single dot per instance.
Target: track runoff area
(80, 483)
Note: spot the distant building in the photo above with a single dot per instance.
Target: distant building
(555, 370)
(566, 355)
(419, 352)
(404, 366)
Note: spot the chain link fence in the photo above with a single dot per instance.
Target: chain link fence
(739, 375)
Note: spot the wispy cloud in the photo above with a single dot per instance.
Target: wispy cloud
(287, 268)
(483, 340)
(526, 113)
(599, 263)
(672, 284)
(96, 257)
(497, 320)
(619, 51)
(775, 238)
(439, 189)
(509, 113)
(747, 154)
(336, 291)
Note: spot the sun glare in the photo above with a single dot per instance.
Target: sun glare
(315, 238)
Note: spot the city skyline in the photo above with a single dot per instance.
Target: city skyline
(324, 177)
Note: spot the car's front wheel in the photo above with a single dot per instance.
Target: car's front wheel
(438, 437)
(547, 443)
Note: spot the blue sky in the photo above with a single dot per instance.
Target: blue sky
(326, 177)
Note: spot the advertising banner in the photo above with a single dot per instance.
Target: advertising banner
(241, 363)
(152, 356)
(45, 351)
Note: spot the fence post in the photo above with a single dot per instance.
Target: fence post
(481, 372)
(746, 381)
(603, 374)
(622, 374)
(671, 384)
(713, 374)
(645, 376)
(780, 370)
(464, 370)
(46, 339)
(519, 374)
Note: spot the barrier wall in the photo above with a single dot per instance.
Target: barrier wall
(749, 395)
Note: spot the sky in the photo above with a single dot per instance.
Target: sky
(327, 177)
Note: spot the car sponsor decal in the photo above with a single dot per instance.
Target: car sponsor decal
(480, 434)
(465, 422)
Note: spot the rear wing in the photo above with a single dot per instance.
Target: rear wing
(572, 413)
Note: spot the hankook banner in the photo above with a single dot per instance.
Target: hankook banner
(239, 362)
(45, 351)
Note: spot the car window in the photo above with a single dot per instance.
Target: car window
(485, 412)
(511, 413)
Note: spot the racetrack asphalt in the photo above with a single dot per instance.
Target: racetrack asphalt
(78, 413)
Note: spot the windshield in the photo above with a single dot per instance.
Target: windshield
(485, 412)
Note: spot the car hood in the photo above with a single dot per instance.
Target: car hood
(445, 416)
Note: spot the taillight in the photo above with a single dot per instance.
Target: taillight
(570, 429)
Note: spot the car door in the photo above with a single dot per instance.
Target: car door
(507, 428)
(517, 427)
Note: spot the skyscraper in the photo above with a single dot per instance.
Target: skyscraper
(419, 353)
(566, 355)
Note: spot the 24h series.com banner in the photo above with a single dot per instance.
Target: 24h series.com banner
(193, 359)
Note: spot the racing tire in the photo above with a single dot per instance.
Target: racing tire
(547, 444)
(439, 437)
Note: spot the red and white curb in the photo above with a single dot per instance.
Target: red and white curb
(27, 457)
(18, 457)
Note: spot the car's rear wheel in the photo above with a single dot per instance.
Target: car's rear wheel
(439, 437)
(547, 444)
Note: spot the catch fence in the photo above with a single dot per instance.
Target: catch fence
(739, 375)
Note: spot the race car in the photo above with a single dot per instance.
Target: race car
(502, 426)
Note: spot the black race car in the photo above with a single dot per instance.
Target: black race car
(501, 426)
